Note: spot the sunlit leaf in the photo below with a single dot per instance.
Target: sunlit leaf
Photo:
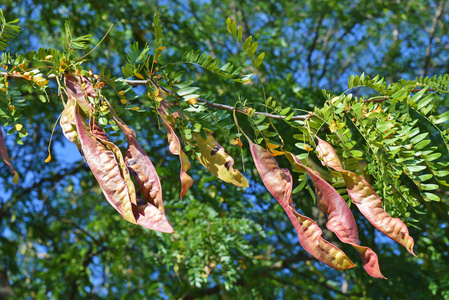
(217, 161)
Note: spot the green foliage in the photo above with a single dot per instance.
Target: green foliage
(212, 64)
(7, 30)
(249, 46)
(395, 135)
(395, 144)
(75, 43)
(136, 60)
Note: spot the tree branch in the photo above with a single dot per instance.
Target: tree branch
(312, 48)
(135, 83)
(431, 36)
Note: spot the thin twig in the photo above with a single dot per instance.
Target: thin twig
(135, 83)
(80, 58)
(375, 100)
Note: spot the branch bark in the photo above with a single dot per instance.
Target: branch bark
(312, 48)
(432, 30)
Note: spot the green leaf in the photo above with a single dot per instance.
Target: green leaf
(351, 82)
(259, 60)
(201, 58)
(428, 187)
(418, 95)
(425, 177)
(284, 111)
(239, 34)
(444, 117)
(356, 153)
(228, 24)
(416, 168)
(184, 84)
(234, 29)
(247, 43)
(207, 62)
(258, 119)
(300, 187)
(172, 109)
(312, 193)
(441, 173)
(419, 137)
(425, 101)
(431, 197)
(187, 91)
(384, 126)
(287, 118)
(253, 49)
(422, 144)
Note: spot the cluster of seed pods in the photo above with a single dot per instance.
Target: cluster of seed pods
(110, 168)
(113, 172)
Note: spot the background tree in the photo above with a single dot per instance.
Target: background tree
(229, 241)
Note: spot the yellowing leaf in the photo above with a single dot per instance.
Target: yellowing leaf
(121, 93)
(40, 81)
(18, 127)
(272, 146)
(138, 75)
(48, 158)
(158, 95)
(135, 108)
(276, 153)
(192, 101)
(15, 179)
(308, 148)
(236, 141)
(334, 126)
(123, 101)
(217, 161)
(271, 149)
(379, 109)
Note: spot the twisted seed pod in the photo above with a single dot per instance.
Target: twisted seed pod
(279, 183)
(176, 149)
(366, 199)
(105, 167)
